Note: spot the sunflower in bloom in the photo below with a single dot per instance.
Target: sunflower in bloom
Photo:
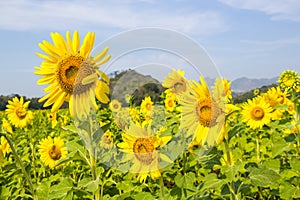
(141, 148)
(72, 74)
(176, 83)
(256, 113)
(53, 118)
(170, 101)
(115, 105)
(146, 105)
(17, 112)
(107, 140)
(4, 146)
(203, 114)
(289, 79)
(223, 89)
(52, 150)
(256, 92)
(6, 126)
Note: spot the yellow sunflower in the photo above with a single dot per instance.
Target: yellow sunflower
(256, 113)
(222, 88)
(176, 83)
(4, 146)
(170, 101)
(203, 114)
(289, 79)
(72, 74)
(115, 105)
(52, 150)
(146, 105)
(6, 126)
(141, 148)
(52, 117)
(107, 140)
(256, 92)
(17, 112)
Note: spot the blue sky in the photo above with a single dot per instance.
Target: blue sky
(252, 38)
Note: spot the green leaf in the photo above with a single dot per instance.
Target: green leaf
(295, 164)
(263, 177)
(280, 147)
(211, 181)
(288, 173)
(89, 184)
(143, 196)
(185, 181)
(43, 190)
(289, 191)
(273, 164)
(61, 189)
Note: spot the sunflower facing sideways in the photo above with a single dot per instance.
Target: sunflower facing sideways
(72, 74)
(17, 112)
(141, 148)
(52, 150)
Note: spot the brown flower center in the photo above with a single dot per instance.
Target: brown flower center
(207, 112)
(55, 153)
(180, 87)
(21, 112)
(257, 113)
(143, 149)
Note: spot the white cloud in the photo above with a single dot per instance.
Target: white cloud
(277, 9)
(57, 15)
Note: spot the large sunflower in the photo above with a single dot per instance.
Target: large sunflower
(176, 83)
(141, 148)
(52, 150)
(72, 74)
(203, 114)
(17, 112)
(256, 113)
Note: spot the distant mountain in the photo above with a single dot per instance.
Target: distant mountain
(246, 84)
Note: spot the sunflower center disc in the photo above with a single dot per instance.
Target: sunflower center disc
(207, 113)
(143, 149)
(257, 113)
(21, 113)
(55, 153)
(179, 87)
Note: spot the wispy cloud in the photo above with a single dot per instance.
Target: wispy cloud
(277, 9)
(49, 15)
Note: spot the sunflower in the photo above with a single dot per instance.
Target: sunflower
(115, 105)
(203, 113)
(52, 150)
(170, 101)
(141, 148)
(176, 83)
(289, 79)
(146, 105)
(107, 140)
(52, 117)
(223, 89)
(17, 112)
(256, 92)
(256, 113)
(4, 146)
(6, 126)
(72, 74)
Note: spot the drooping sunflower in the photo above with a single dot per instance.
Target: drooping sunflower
(115, 105)
(18, 113)
(175, 82)
(203, 114)
(256, 113)
(141, 148)
(289, 79)
(4, 146)
(72, 74)
(52, 150)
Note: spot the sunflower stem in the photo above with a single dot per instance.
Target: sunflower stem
(20, 163)
(232, 188)
(257, 148)
(161, 183)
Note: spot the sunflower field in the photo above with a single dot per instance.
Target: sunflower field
(194, 143)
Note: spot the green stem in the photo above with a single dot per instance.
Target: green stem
(33, 156)
(232, 189)
(161, 183)
(20, 163)
(257, 148)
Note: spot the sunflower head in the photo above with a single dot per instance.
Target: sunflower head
(52, 150)
(256, 113)
(289, 79)
(115, 105)
(72, 74)
(4, 146)
(6, 126)
(18, 113)
(146, 105)
(142, 149)
(256, 92)
(107, 140)
(176, 83)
